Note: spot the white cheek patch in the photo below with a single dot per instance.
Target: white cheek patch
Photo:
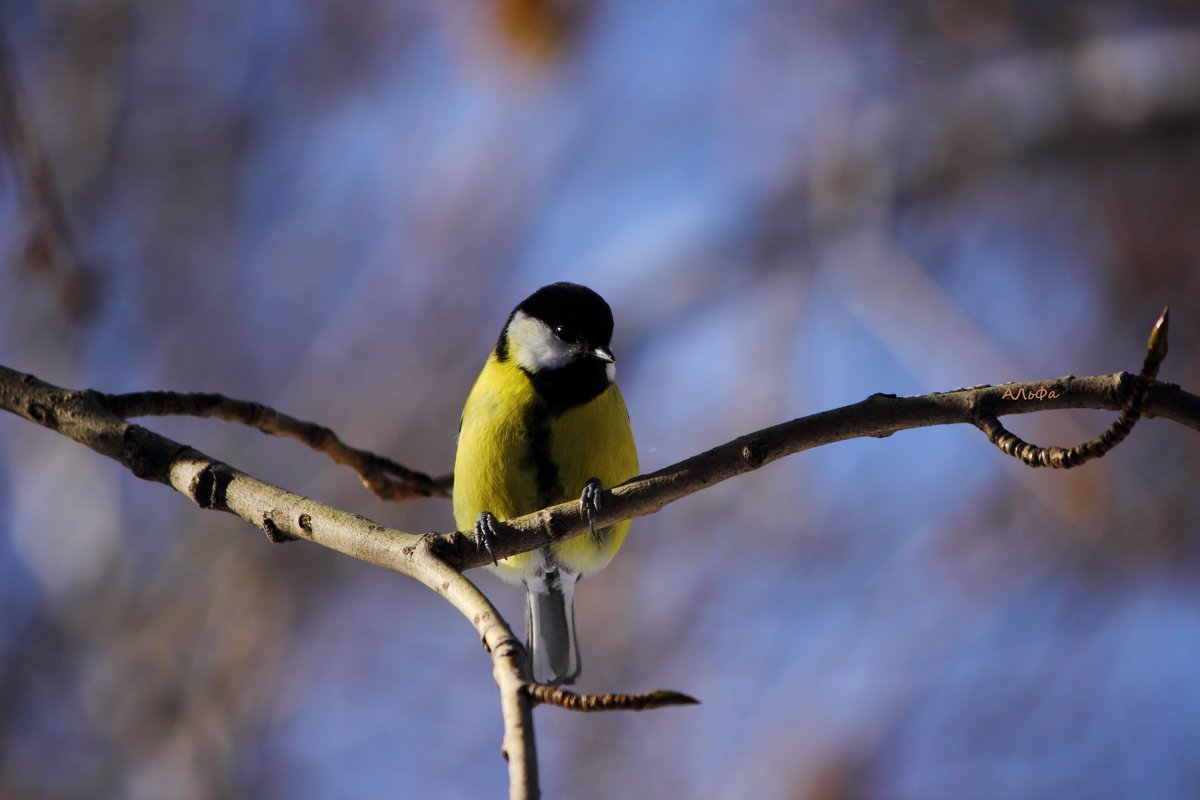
(610, 369)
(534, 346)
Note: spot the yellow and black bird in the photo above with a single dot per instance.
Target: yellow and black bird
(545, 423)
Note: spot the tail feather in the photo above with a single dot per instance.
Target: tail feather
(550, 627)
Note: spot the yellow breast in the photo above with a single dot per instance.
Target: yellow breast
(514, 458)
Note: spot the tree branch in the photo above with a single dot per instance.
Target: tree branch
(212, 484)
(384, 477)
(437, 560)
(1063, 458)
(878, 416)
(572, 701)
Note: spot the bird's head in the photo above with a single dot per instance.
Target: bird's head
(563, 326)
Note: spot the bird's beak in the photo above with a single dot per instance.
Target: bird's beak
(604, 354)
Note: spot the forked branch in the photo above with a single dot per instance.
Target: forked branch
(438, 560)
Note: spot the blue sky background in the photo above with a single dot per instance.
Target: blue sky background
(331, 208)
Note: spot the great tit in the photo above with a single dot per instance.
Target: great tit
(545, 423)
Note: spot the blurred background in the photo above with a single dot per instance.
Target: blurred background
(332, 207)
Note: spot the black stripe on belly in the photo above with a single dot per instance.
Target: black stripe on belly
(540, 462)
(558, 390)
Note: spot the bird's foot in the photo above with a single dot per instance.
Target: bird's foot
(589, 502)
(486, 534)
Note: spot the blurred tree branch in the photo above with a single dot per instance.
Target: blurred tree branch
(953, 127)
(437, 560)
(48, 245)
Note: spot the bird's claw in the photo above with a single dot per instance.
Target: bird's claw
(486, 534)
(589, 502)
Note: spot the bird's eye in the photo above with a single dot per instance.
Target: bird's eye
(560, 331)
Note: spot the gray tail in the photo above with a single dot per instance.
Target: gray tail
(550, 627)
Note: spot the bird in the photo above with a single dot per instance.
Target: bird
(544, 424)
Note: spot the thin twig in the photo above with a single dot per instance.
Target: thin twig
(557, 696)
(383, 476)
(1033, 455)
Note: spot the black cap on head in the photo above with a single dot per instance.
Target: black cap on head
(582, 313)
